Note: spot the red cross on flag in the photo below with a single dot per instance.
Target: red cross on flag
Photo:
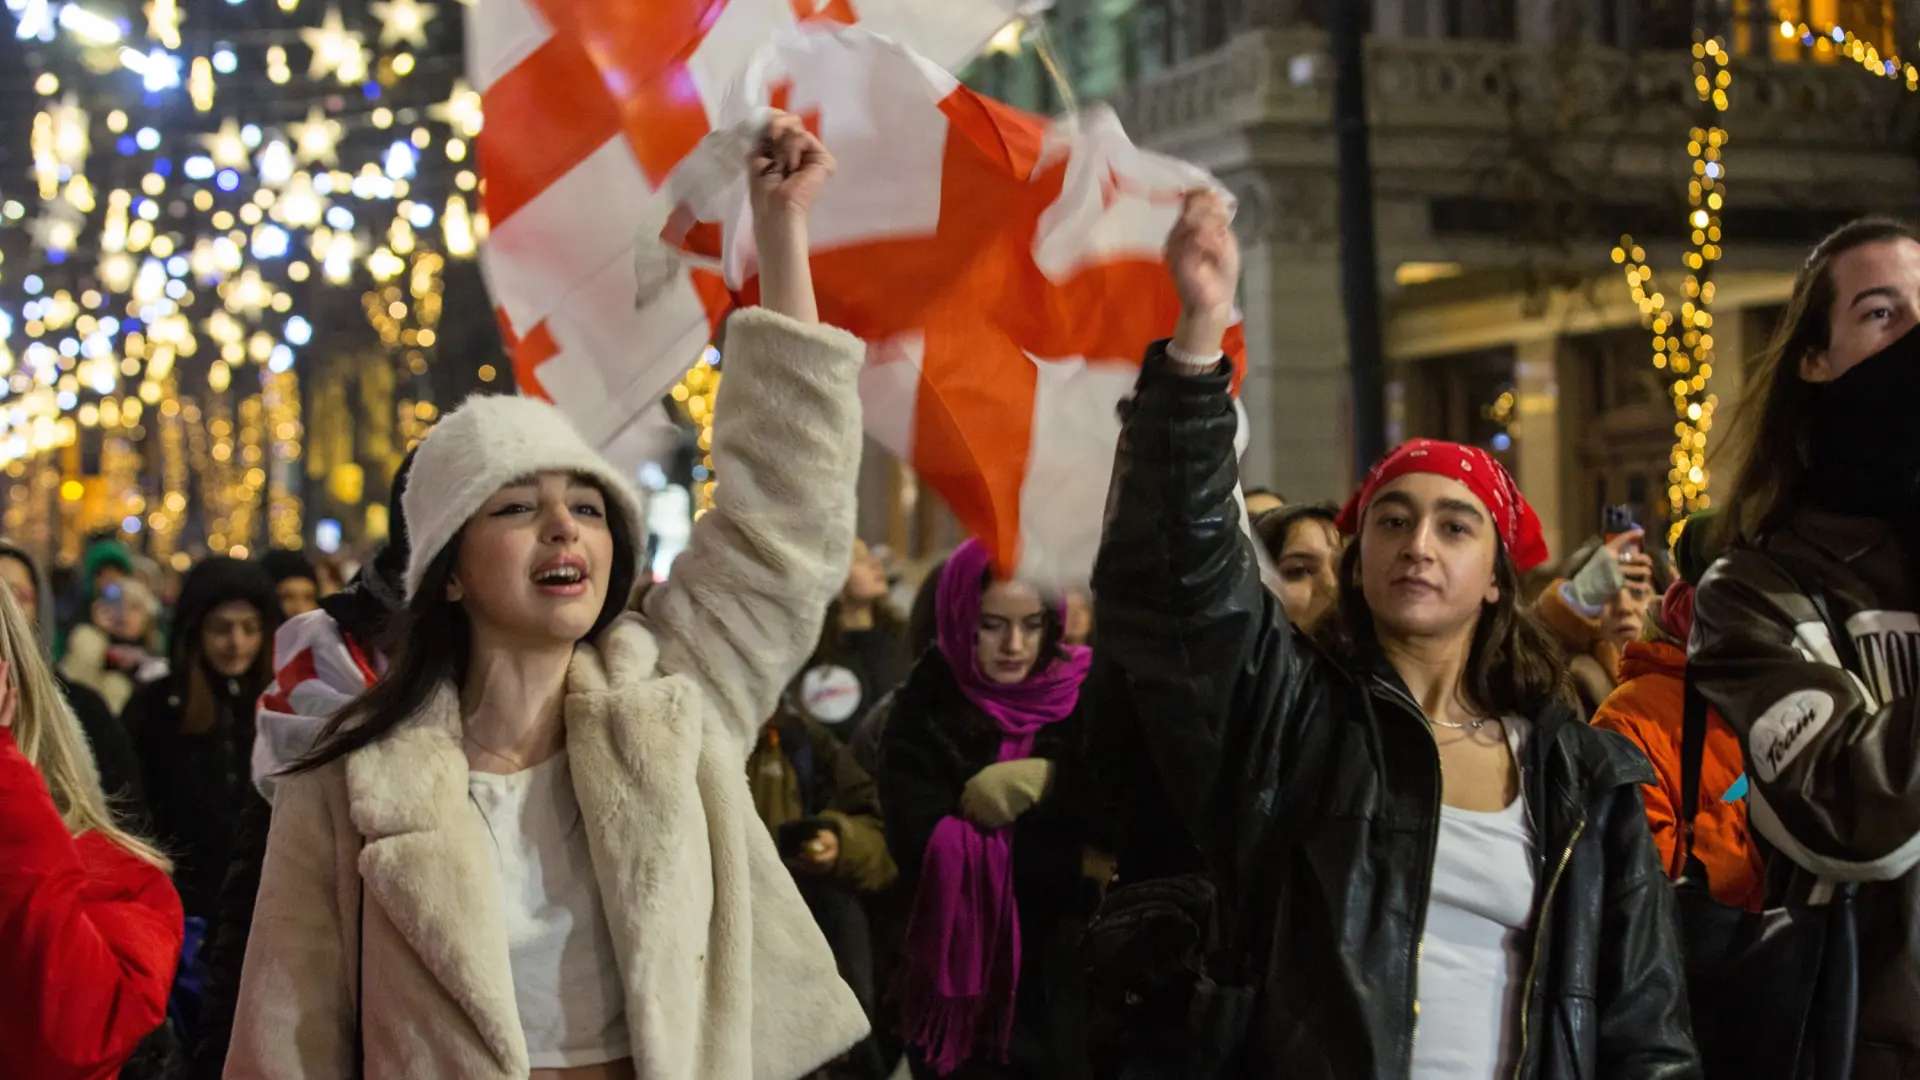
(589, 105)
(1004, 269)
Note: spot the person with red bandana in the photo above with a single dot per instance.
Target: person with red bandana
(1392, 849)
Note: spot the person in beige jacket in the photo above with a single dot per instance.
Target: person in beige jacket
(530, 849)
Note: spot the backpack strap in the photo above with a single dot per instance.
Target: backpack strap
(1693, 749)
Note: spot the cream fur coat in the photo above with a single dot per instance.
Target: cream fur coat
(726, 975)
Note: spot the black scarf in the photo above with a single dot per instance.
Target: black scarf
(362, 609)
(1866, 438)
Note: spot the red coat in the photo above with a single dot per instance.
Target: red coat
(89, 938)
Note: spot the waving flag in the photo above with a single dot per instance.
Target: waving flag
(1005, 271)
(589, 105)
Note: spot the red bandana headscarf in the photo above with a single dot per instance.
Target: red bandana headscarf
(1513, 516)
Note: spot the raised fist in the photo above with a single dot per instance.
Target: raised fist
(786, 168)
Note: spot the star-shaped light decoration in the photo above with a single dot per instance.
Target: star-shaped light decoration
(163, 22)
(299, 206)
(403, 20)
(461, 110)
(314, 139)
(335, 49)
(227, 149)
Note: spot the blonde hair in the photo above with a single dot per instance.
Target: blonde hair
(51, 738)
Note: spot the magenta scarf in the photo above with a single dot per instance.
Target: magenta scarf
(962, 963)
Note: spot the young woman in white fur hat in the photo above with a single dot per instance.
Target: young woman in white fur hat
(528, 849)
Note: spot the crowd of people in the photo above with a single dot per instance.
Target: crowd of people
(1303, 790)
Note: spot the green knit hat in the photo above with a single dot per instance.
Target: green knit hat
(1698, 547)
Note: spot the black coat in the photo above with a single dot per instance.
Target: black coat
(112, 755)
(195, 783)
(226, 947)
(1308, 789)
(935, 741)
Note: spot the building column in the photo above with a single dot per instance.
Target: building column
(1535, 22)
(1390, 19)
(1296, 392)
(1732, 348)
(1537, 437)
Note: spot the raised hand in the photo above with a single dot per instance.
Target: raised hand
(786, 169)
(1203, 258)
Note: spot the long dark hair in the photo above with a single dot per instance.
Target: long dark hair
(428, 642)
(1768, 448)
(1514, 667)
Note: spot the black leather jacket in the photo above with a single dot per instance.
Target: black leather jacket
(1309, 791)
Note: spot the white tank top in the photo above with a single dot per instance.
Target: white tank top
(565, 979)
(1473, 955)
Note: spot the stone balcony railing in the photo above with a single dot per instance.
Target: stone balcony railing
(1432, 87)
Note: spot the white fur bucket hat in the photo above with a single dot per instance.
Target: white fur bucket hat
(480, 447)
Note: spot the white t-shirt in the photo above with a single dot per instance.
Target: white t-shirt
(565, 979)
(1473, 956)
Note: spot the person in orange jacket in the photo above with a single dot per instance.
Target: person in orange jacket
(1648, 708)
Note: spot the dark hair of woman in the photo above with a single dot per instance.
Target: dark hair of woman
(428, 641)
(1274, 528)
(1768, 445)
(1514, 667)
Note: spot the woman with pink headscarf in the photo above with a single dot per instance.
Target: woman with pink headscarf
(992, 819)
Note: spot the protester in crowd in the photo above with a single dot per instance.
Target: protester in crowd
(823, 811)
(1425, 863)
(1261, 502)
(91, 926)
(193, 730)
(992, 819)
(1599, 610)
(862, 651)
(322, 661)
(922, 630)
(1649, 708)
(1804, 633)
(295, 581)
(116, 650)
(1077, 629)
(538, 777)
(1304, 545)
(112, 750)
(333, 574)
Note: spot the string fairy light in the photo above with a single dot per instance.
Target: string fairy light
(1846, 43)
(1683, 334)
(695, 394)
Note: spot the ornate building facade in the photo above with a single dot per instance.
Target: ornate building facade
(1514, 142)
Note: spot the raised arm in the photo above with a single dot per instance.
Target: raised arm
(744, 604)
(1177, 594)
(1836, 776)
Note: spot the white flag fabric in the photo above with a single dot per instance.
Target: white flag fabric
(589, 105)
(1005, 271)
